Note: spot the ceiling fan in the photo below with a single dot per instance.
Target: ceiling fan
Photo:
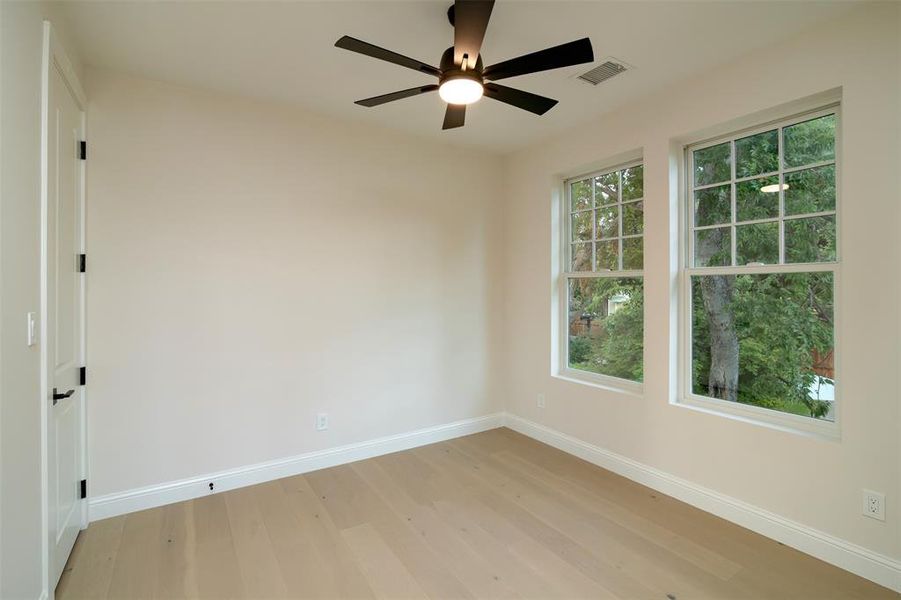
(462, 79)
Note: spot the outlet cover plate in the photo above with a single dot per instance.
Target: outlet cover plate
(874, 505)
(321, 421)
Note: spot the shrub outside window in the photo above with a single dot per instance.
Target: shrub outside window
(761, 270)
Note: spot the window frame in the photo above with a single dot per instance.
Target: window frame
(562, 369)
(745, 412)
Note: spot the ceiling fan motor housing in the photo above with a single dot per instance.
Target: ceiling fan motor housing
(449, 70)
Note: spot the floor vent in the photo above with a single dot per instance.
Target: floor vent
(603, 72)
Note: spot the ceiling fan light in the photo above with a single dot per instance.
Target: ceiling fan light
(460, 90)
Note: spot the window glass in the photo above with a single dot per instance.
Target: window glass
(762, 323)
(606, 326)
(765, 340)
(605, 310)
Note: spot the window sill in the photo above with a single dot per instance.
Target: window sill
(604, 382)
(763, 417)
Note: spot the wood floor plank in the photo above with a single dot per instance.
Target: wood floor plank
(492, 515)
(218, 573)
(176, 574)
(504, 572)
(465, 562)
(417, 557)
(384, 571)
(89, 572)
(348, 502)
(341, 570)
(300, 562)
(607, 573)
(527, 582)
(135, 570)
(258, 564)
(567, 580)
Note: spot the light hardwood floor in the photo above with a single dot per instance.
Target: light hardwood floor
(492, 515)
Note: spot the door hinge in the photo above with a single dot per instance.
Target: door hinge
(83, 150)
(82, 263)
(82, 375)
(84, 488)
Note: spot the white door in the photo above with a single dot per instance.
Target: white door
(63, 319)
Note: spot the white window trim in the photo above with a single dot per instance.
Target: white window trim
(560, 366)
(774, 419)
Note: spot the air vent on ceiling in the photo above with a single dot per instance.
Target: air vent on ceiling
(607, 69)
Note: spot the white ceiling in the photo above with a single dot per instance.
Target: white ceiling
(284, 51)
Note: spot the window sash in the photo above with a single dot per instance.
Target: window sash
(570, 243)
(830, 430)
(758, 415)
(779, 125)
(608, 382)
(562, 368)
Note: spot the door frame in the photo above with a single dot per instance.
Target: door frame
(54, 56)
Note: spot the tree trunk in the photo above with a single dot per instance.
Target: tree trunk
(717, 291)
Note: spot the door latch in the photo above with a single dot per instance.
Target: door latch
(57, 396)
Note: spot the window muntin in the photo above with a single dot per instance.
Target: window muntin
(762, 268)
(603, 314)
(606, 221)
(783, 176)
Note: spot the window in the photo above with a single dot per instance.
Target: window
(761, 270)
(603, 312)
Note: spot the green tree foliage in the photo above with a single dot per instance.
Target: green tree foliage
(580, 350)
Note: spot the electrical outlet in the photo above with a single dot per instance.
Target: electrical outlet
(541, 402)
(874, 505)
(321, 421)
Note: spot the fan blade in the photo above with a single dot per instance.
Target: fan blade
(454, 116)
(564, 55)
(355, 45)
(470, 22)
(376, 100)
(520, 99)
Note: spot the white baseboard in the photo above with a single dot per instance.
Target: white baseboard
(112, 505)
(876, 567)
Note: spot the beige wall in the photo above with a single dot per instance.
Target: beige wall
(812, 481)
(251, 265)
(20, 458)
(21, 37)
